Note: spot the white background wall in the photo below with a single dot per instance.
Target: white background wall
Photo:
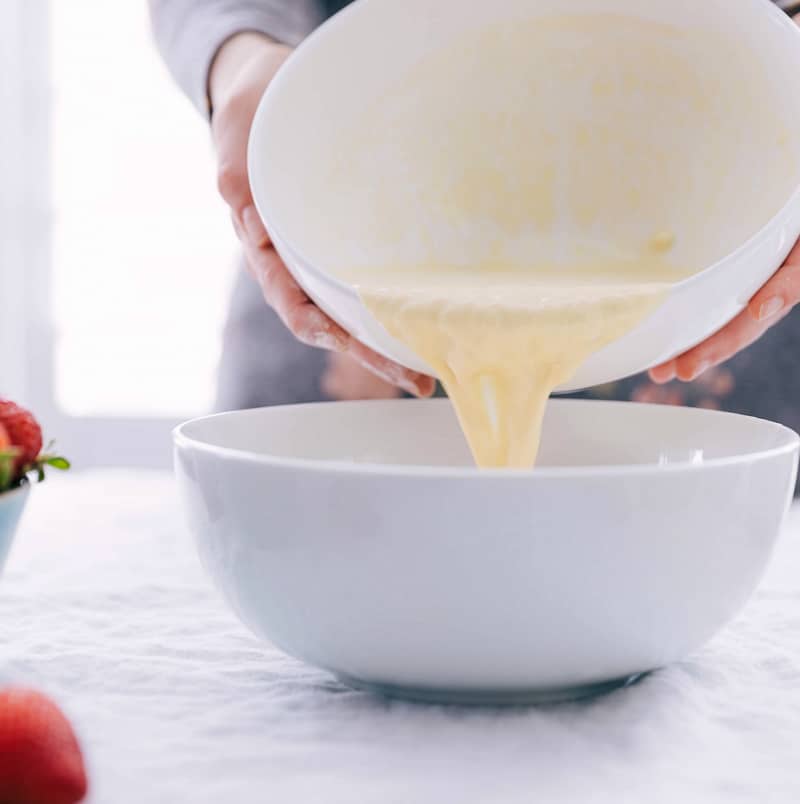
(115, 254)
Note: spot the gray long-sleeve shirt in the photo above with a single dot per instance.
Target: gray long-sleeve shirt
(189, 32)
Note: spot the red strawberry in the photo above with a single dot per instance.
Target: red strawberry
(8, 460)
(23, 430)
(40, 759)
(5, 440)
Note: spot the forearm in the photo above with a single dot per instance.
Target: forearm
(233, 56)
(190, 33)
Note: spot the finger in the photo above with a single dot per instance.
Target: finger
(249, 227)
(311, 326)
(299, 314)
(771, 304)
(233, 182)
(346, 378)
(664, 373)
(782, 291)
(734, 337)
(410, 381)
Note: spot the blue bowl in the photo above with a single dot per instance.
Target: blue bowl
(12, 504)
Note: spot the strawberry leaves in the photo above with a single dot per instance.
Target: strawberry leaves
(11, 478)
(55, 461)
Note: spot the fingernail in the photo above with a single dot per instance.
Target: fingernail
(702, 368)
(426, 388)
(770, 308)
(253, 227)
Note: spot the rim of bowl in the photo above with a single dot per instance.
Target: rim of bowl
(342, 466)
(284, 74)
(20, 491)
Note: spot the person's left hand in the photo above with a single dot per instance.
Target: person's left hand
(769, 306)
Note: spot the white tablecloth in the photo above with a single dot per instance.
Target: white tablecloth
(104, 606)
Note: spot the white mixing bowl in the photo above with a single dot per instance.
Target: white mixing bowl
(358, 537)
(721, 173)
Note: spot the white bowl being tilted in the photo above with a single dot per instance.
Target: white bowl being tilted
(353, 164)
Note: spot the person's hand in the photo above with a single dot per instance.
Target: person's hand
(241, 71)
(769, 306)
(345, 379)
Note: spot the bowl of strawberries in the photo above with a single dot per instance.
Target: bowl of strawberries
(22, 458)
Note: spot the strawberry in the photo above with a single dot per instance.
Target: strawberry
(21, 446)
(8, 460)
(5, 439)
(23, 430)
(40, 759)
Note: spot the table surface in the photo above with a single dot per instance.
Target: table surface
(104, 605)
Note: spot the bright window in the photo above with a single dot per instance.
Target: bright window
(142, 250)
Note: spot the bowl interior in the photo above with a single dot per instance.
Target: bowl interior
(512, 133)
(403, 434)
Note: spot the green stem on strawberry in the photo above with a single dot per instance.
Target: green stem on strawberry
(11, 477)
(55, 461)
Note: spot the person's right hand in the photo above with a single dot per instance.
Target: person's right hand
(241, 71)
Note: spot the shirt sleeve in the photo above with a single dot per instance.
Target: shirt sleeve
(188, 33)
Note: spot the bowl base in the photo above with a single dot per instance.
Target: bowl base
(489, 697)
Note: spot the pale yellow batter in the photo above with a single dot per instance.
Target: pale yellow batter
(502, 341)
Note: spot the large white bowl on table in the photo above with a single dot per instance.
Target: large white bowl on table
(739, 230)
(358, 537)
